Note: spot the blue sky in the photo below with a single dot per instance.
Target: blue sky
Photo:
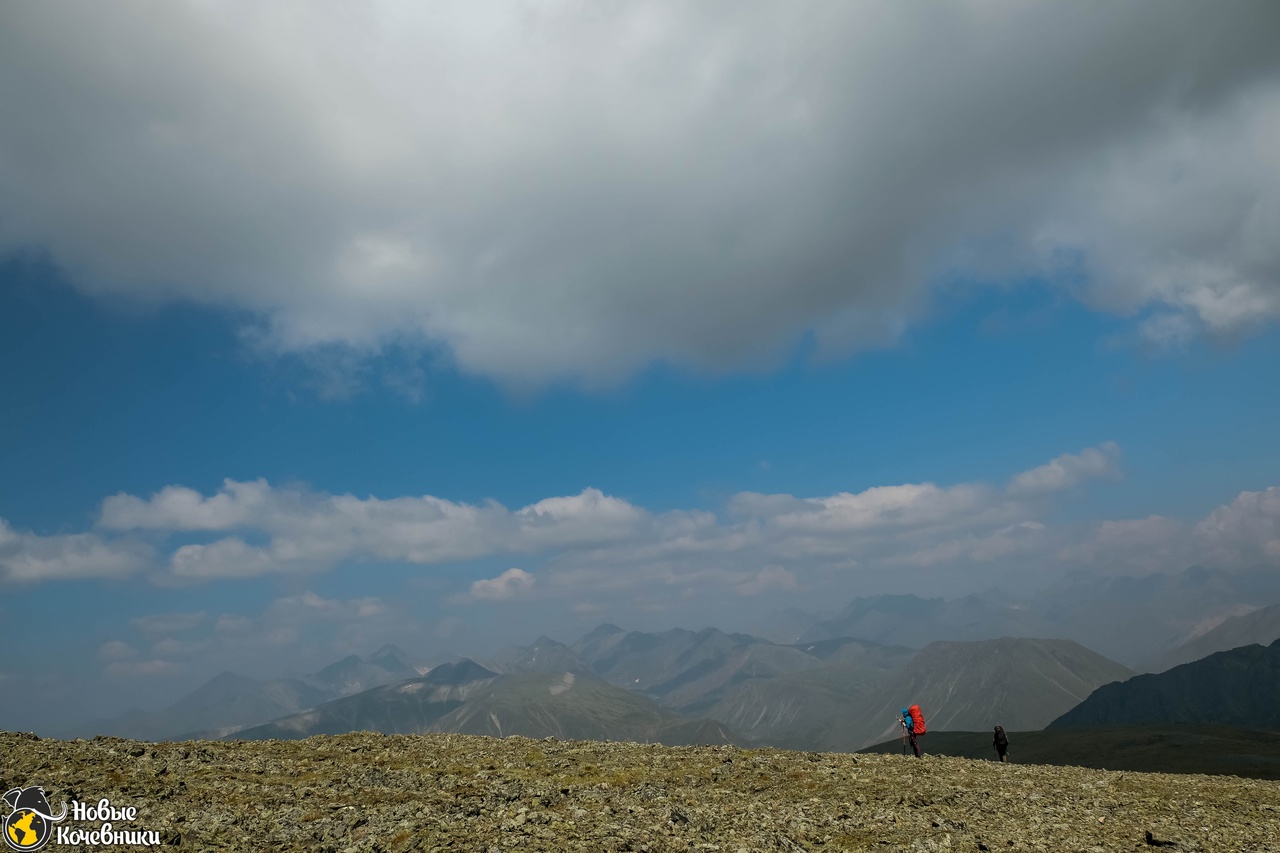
(355, 361)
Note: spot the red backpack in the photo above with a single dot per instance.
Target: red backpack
(917, 720)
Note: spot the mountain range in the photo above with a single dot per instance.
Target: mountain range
(228, 702)
(827, 691)
(1133, 620)
(712, 687)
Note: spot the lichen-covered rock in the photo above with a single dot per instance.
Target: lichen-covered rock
(367, 792)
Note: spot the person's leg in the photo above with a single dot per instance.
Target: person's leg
(915, 746)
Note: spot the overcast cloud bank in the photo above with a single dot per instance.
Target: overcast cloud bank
(550, 189)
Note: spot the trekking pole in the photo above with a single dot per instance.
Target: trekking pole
(903, 724)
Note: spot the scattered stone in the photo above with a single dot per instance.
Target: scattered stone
(366, 792)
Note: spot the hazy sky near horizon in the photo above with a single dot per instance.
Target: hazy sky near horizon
(326, 325)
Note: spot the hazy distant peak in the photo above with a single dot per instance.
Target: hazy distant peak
(391, 658)
(600, 631)
(339, 666)
(459, 672)
(222, 687)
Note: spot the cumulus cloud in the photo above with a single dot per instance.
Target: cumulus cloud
(1245, 532)
(1068, 470)
(510, 584)
(1023, 538)
(295, 530)
(595, 549)
(30, 558)
(168, 623)
(310, 531)
(152, 668)
(555, 189)
(181, 508)
(770, 577)
(225, 558)
(116, 650)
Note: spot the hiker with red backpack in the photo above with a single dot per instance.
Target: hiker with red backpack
(913, 727)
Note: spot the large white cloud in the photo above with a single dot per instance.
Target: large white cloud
(1244, 532)
(553, 189)
(301, 530)
(31, 558)
(512, 583)
(309, 530)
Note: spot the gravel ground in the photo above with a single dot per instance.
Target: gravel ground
(370, 792)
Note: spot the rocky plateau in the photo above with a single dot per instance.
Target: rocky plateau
(373, 793)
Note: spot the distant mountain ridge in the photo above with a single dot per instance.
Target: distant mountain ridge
(1131, 619)
(229, 701)
(1240, 687)
(411, 706)
(1261, 627)
(1019, 683)
(1136, 619)
(909, 620)
(572, 706)
(544, 655)
(466, 698)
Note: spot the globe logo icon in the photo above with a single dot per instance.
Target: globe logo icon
(30, 825)
(26, 830)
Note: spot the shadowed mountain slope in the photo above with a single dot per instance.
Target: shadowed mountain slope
(1240, 687)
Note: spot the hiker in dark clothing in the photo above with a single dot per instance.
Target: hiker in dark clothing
(1001, 744)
